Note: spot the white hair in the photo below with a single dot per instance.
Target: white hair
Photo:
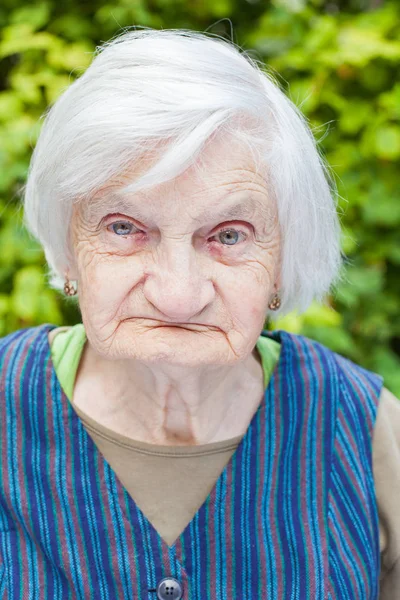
(180, 87)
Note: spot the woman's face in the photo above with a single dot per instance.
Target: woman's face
(181, 273)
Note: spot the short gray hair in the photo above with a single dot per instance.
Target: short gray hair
(148, 86)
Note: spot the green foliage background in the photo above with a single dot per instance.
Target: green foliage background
(337, 60)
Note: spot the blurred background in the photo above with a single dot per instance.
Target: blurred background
(338, 60)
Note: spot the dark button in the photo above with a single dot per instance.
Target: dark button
(169, 588)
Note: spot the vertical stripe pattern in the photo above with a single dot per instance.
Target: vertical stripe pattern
(293, 514)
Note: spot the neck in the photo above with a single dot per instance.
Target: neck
(168, 404)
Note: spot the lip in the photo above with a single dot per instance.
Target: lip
(181, 325)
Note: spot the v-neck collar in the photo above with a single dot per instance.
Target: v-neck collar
(71, 416)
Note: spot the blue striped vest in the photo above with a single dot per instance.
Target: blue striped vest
(293, 514)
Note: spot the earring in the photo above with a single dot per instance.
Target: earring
(275, 302)
(69, 289)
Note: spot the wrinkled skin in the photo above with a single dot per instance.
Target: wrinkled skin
(172, 306)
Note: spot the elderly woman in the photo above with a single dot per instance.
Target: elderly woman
(168, 446)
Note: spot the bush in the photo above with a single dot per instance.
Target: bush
(338, 61)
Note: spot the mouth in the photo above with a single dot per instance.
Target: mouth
(164, 324)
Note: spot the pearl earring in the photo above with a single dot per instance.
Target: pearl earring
(69, 288)
(275, 302)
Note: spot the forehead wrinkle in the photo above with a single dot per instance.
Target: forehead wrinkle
(108, 202)
(249, 208)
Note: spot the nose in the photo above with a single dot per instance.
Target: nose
(176, 287)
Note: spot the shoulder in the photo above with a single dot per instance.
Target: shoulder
(318, 356)
(15, 339)
(386, 444)
(24, 335)
(389, 410)
(351, 391)
(387, 431)
(386, 469)
(15, 346)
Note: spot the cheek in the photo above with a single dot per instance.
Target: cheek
(105, 285)
(247, 295)
(255, 310)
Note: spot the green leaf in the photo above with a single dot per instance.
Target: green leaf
(36, 15)
(4, 304)
(390, 102)
(387, 142)
(355, 115)
(382, 209)
(10, 105)
(304, 93)
(20, 38)
(387, 363)
(359, 282)
(323, 315)
(70, 56)
(30, 300)
(25, 300)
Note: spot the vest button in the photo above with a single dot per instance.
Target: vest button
(169, 588)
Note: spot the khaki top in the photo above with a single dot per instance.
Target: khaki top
(188, 474)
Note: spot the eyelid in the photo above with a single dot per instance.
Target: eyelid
(238, 225)
(111, 219)
(244, 234)
(117, 217)
(231, 225)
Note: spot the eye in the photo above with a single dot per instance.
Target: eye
(123, 228)
(231, 236)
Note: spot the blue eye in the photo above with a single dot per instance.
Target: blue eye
(231, 236)
(122, 227)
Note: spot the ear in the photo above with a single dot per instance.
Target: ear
(278, 280)
(71, 272)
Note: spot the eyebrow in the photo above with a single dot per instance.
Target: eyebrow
(244, 209)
